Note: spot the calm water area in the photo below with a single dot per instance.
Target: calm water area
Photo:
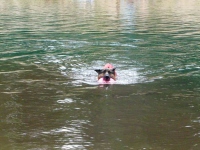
(49, 95)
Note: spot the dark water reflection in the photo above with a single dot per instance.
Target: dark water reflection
(158, 115)
(49, 95)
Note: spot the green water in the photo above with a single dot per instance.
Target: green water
(50, 98)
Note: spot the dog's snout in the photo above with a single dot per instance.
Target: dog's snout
(106, 76)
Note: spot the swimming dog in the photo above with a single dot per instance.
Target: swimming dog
(107, 74)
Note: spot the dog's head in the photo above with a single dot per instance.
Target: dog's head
(106, 73)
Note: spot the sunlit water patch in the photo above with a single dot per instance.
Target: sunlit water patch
(66, 100)
(74, 137)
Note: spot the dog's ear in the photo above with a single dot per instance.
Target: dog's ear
(98, 70)
(113, 69)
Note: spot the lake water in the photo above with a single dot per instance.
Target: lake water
(49, 95)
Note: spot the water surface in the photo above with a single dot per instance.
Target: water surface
(50, 98)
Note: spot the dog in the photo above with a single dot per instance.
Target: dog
(107, 74)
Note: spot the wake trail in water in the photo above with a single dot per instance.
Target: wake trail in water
(84, 73)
